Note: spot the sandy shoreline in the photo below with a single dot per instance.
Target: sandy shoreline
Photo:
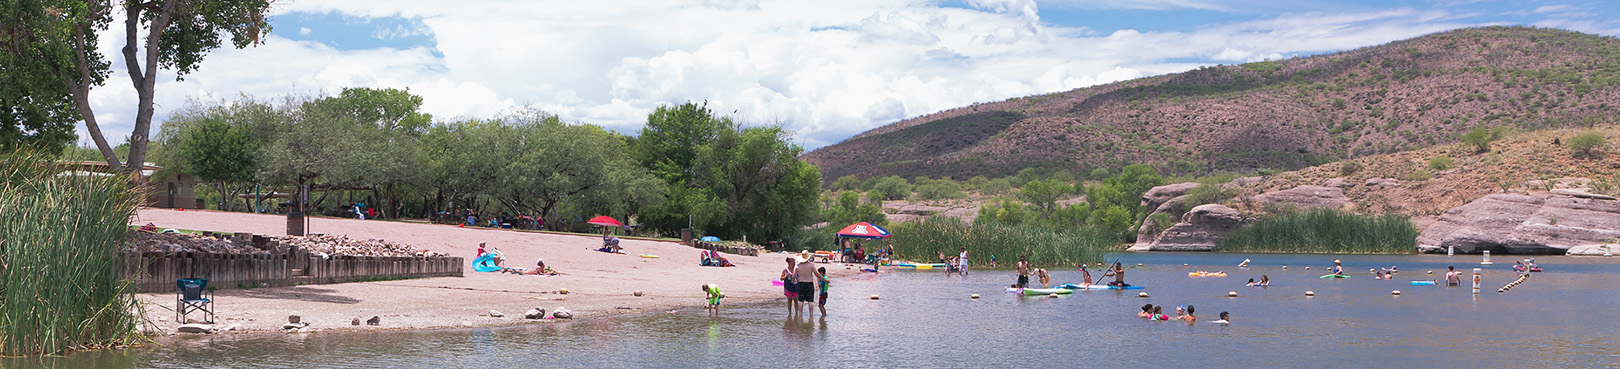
(599, 284)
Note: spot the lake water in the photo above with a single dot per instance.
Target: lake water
(1564, 317)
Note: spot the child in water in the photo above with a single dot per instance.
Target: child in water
(712, 293)
(1158, 313)
(821, 276)
(1251, 283)
(1190, 318)
(1147, 311)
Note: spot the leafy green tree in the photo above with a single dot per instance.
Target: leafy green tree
(996, 187)
(669, 144)
(217, 151)
(892, 188)
(36, 110)
(847, 183)
(1044, 194)
(1588, 144)
(565, 165)
(1004, 210)
(936, 189)
(1479, 137)
(1440, 162)
(177, 35)
(848, 209)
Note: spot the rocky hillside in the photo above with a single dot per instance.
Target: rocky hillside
(1285, 114)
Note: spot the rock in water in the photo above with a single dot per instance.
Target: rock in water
(195, 328)
(1525, 224)
(375, 320)
(495, 314)
(356, 321)
(562, 313)
(535, 313)
(1200, 229)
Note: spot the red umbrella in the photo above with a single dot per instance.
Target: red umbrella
(863, 230)
(605, 221)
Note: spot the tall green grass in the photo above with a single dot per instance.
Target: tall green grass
(923, 241)
(60, 249)
(1326, 231)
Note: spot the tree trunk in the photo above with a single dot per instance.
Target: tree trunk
(144, 78)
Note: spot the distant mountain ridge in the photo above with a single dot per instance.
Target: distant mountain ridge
(1285, 114)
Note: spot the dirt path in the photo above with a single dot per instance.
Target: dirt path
(599, 284)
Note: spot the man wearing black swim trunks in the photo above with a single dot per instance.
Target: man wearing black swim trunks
(807, 283)
(1023, 271)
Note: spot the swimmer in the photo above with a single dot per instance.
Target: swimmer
(1251, 283)
(1190, 318)
(1181, 312)
(1147, 311)
(1244, 264)
(1265, 281)
(1046, 280)
(1453, 278)
(1158, 313)
(1338, 269)
(1225, 319)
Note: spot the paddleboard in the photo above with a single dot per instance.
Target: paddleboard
(1073, 286)
(648, 256)
(1205, 274)
(1046, 291)
(1422, 283)
(1333, 276)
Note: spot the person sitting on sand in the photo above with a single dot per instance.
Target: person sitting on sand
(1225, 319)
(1147, 311)
(1046, 279)
(1453, 278)
(481, 251)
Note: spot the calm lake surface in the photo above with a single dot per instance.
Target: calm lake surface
(1564, 317)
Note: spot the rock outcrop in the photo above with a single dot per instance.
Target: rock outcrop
(1553, 223)
(1307, 197)
(1201, 229)
(1163, 199)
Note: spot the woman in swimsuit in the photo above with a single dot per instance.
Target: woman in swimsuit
(790, 286)
(1147, 311)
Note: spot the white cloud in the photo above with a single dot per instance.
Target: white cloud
(303, 31)
(824, 69)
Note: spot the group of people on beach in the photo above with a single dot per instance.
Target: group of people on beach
(800, 282)
(540, 267)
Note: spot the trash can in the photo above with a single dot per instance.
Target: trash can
(295, 223)
(686, 236)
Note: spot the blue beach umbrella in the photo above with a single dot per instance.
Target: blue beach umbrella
(709, 239)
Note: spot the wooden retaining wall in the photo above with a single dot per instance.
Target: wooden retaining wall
(157, 271)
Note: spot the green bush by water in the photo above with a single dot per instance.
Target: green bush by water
(60, 258)
(923, 242)
(1326, 231)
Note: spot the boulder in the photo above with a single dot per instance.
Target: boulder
(1201, 229)
(1307, 197)
(535, 313)
(1337, 182)
(1382, 182)
(294, 325)
(562, 313)
(356, 321)
(1553, 223)
(195, 328)
(1157, 196)
(1145, 235)
(294, 319)
(375, 320)
(495, 314)
(1594, 249)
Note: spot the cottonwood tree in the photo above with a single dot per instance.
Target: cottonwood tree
(172, 35)
(36, 110)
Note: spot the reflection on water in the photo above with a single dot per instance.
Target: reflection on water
(1560, 318)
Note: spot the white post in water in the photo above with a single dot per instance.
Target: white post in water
(1487, 258)
(1451, 250)
(1476, 281)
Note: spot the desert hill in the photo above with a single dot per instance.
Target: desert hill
(1283, 115)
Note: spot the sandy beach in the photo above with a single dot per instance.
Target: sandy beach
(598, 284)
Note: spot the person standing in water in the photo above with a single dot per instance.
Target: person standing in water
(1225, 319)
(807, 283)
(1023, 271)
(962, 261)
(1453, 278)
(790, 286)
(712, 293)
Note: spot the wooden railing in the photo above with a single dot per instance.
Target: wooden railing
(157, 271)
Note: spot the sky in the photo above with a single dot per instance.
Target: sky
(825, 70)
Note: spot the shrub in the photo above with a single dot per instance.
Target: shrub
(1349, 168)
(996, 187)
(1479, 138)
(892, 188)
(1046, 247)
(1588, 144)
(1439, 163)
(1418, 175)
(847, 183)
(939, 189)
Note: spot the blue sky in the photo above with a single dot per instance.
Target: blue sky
(826, 70)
